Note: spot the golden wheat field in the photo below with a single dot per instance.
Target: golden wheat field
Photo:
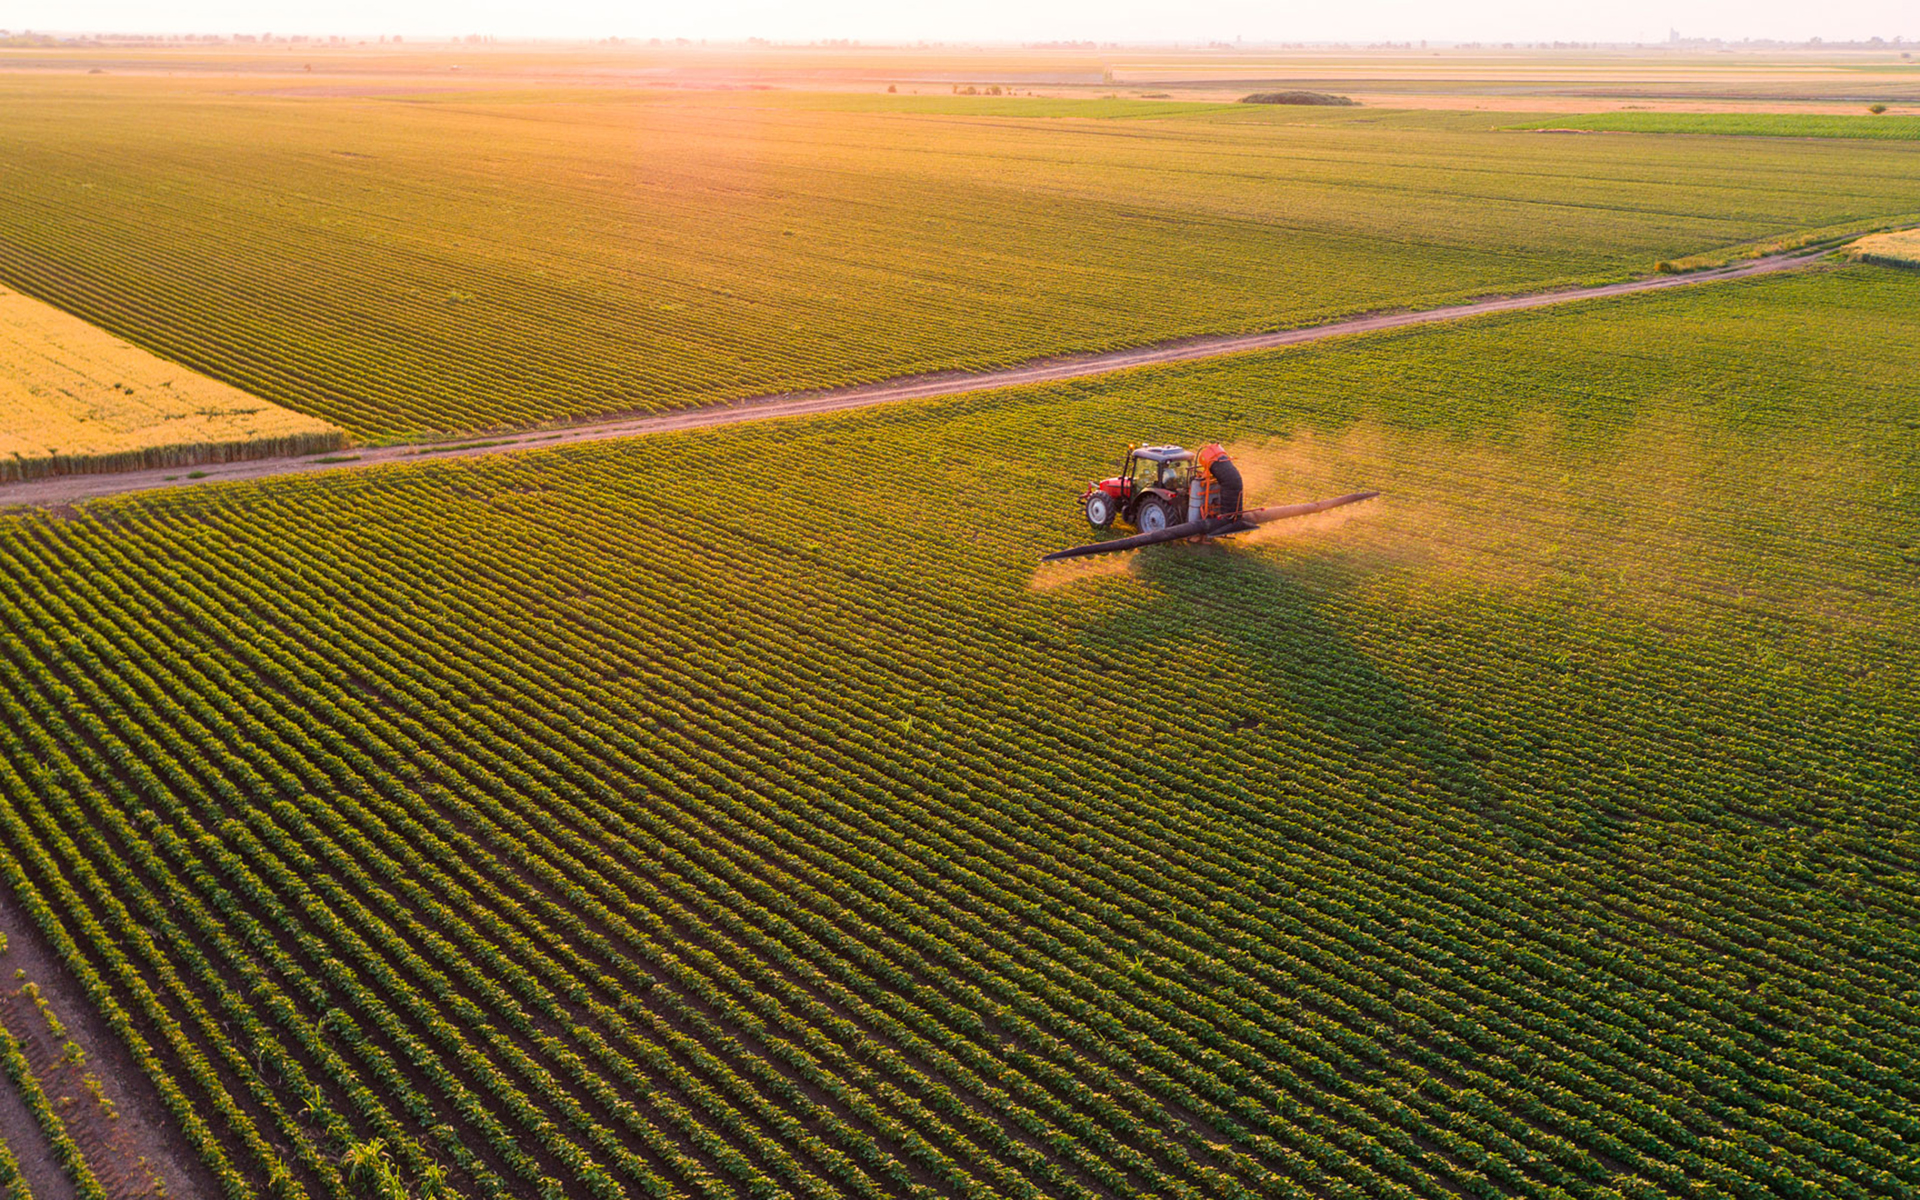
(1899, 248)
(76, 398)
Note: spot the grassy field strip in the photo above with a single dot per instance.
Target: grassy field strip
(1864, 126)
(75, 399)
(67, 490)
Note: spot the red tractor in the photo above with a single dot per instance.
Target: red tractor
(1162, 486)
(1170, 494)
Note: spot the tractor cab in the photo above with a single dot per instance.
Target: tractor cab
(1150, 492)
(1168, 468)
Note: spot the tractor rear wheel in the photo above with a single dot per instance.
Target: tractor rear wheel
(1154, 515)
(1099, 510)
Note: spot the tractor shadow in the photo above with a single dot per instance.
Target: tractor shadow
(1282, 669)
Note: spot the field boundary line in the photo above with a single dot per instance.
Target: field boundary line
(61, 491)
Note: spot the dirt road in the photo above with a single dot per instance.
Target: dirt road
(59, 490)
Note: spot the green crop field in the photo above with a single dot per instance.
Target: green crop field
(1781, 125)
(743, 813)
(400, 260)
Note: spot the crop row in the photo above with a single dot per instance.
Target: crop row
(536, 826)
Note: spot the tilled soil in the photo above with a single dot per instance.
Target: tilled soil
(136, 1152)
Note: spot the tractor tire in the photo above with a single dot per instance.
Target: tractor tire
(1100, 509)
(1153, 516)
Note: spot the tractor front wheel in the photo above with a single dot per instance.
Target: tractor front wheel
(1099, 510)
(1153, 515)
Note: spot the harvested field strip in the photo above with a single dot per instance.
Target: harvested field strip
(559, 833)
(74, 399)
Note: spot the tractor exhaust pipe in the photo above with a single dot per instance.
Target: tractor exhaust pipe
(1238, 522)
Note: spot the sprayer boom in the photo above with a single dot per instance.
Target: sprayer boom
(1210, 527)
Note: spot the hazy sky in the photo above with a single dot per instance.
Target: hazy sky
(1004, 20)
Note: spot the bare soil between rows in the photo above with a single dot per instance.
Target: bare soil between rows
(65, 490)
(130, 1152)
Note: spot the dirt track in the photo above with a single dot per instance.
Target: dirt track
(58, 490)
